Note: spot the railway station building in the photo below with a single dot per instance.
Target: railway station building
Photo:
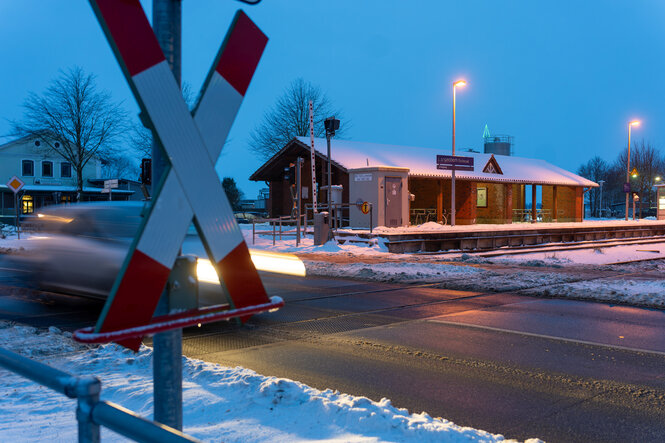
(405, 187)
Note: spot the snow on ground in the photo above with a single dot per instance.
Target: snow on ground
(597, 256)
(219, 403)
(650, 293)
(435, 227)
(392, 272)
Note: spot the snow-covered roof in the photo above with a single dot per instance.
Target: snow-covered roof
(422, 163)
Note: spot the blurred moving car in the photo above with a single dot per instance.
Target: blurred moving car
(79, 249)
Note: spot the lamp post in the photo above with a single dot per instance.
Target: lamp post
(630, 127)
(331, 124)
(452, 184)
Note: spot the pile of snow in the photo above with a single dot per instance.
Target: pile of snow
(648, 293)
(219, 403)
(401, 272)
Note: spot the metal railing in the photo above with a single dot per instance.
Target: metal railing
(91, 412)
(277, 224)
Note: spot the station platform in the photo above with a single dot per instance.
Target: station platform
(432, 237)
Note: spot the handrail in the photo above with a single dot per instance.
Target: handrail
(91, 412)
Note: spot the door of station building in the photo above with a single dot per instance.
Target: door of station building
(393, 202)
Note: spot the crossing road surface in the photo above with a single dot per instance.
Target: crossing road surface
(524, 367)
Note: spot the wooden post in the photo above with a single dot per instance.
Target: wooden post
(439, 203)
(508, 203)
(534, 213)
(555, 204)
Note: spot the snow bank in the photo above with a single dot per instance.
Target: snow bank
(219, 403)
(402, 272)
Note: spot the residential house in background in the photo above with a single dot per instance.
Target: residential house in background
(49, 179)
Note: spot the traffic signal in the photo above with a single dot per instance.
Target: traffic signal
(290, 173)
(146, 171)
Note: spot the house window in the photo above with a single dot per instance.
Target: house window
(27, 204)
(28, 168)
(47, 169)
(65, 199)
(65, 169)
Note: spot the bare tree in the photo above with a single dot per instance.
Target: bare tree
(120, 165)
(595, 170)
(74, 120)
(289, 118)
(649, 163)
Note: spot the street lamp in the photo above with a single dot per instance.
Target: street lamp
(601, 182)
(627, 185)
(452, 185)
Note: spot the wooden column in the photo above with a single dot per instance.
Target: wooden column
(534, 213)
(555, 204)
(439, 203)
(508, 203)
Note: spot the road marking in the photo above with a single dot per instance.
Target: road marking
(549, 337)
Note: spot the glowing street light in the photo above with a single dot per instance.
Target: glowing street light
(452, 185)
(627, 186)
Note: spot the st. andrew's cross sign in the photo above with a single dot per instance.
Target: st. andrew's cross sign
(191, 187)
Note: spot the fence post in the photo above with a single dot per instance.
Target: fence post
(87, 389)
(304, 232)
(253, 231)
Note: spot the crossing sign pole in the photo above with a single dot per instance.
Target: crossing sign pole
(190, 188)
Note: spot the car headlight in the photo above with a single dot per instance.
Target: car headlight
(263, 261)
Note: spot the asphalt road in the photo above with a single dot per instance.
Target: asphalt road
(520, 366)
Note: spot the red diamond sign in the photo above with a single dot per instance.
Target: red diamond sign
(15, 184)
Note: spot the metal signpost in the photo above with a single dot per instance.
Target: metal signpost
(453, 163)
(16, 184)
(190, 189)
(109, 185)
(312, 157)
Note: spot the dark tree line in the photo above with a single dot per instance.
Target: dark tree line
(649, 163)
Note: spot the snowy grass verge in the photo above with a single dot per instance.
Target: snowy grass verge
(219, 403)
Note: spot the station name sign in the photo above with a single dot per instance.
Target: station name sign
(454, 162)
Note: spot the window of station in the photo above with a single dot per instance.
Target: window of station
(28, 168)
(47, 169)
(65, 199)
(27, 204)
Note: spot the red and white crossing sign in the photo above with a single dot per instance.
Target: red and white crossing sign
(191, 187)
(15, 184)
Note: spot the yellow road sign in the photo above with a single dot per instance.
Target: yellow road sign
(15, 184)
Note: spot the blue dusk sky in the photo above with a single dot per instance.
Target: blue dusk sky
(563, 77)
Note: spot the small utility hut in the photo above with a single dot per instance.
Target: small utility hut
(495, 191)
